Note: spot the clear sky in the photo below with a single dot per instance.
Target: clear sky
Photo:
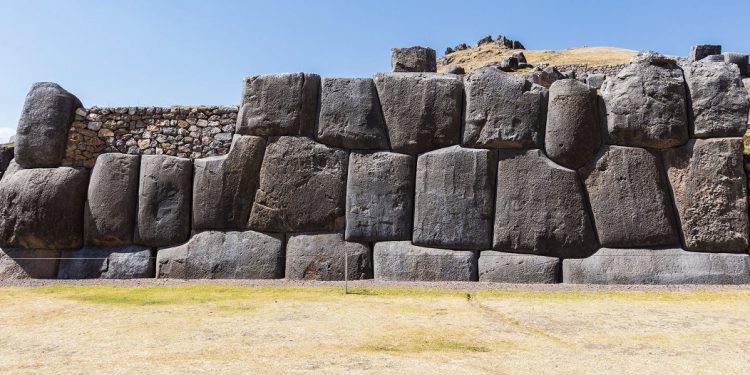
(159, 52)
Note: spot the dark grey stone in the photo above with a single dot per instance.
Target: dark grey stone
(544, 77)
(498, 267)
(455, 69)
(518, 45)
(739, 59)
(595, 80)
(720, 103)
(713, 58)
(321, 257)
(520, 57)
(13, 167)
(6, 155)
(124, 262)
(350, 115)
(402, 261)
(572, 134)
(700, 51)
(508, 64)
(413, 59)
(28, 264)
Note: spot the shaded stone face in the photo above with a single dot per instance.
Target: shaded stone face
(413, 59)
(720, 103)
(402, 261)
(123, 262)
(28, 264)
(701, 51)
(572, 134)
(321, 257)
(499, 267)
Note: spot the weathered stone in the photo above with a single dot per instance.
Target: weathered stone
(13, 167)
(279, 104)
(413, 59)
(508, 64)
(6, 155)
(28, 264)
(422, 111)
(595, 80)
(739, 59)
(720, 103)
(572, 134)
(540, 208)
(402, 261)
(454, 198)
(709, 187)
(321, 257)
(713, 58)
(302, 187)
(544, 77)
(42, 208)
(645, 103)
(110, 213)
(379, 197)
(224, 186)
(498, 267)
(164, 193)
(700, 51)
(350, 115)
(503, 111)
(658, 266)
(124, 262)
(455, 69)
(520, 57)
(224, 255)
(628, 198)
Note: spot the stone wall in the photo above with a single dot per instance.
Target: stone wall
(583, 69)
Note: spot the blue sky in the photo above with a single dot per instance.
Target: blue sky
(141, 52)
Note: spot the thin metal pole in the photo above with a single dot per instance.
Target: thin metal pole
(346, 271)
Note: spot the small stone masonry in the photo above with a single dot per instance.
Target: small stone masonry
(412, 174)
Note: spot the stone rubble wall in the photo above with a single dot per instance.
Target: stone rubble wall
(582, 70)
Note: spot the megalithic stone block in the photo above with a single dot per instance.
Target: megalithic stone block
(454, 198)
(279, 104)
(709, 187)
(402, 261)
(110, 213)
(42, 208)
(499, 267)
(738, 59)
(164, 193)
(413, 59)
(321, 257)
(700, 51)
(121, 262)
(422, 111)
(224, 186)
(42, 130)
(28, 264)
(572, 134)
(720, 103)
(380, 196)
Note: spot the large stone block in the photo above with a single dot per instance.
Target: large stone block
(572, 134)
(380, 197)
(28, 264)
(6, 156)
(422, 111)
(540, 208)
(224, 255)
(720, 103)
(503, 110)
(42, 208)
(628, 197)
(302, 187)
(646, 103)
(659, 266)
(42, 130)
(402, 261)
(738, 59)
(700, 51)
(124, 262)
(224, 186)
(350, 115)
(709, 188)
(164, 193)
(321, 257)
(279, 104)
(110, 213)
(454, 198)
(413, 59)
(498, 267)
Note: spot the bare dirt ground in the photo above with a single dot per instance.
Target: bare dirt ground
(175, 327)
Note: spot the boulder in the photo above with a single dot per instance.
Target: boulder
(350, 115)
(719, 101)
(43, 127)
(595, 80)
(123, 262)
(402, 261)
(224, 186)
(518, 45)
(543, 77)
(709, 188)
(422, 111)
(28, 264)
(699, 51)
(6, 156)
(486, 40)
(657, 266)
(302, 187)
(503, 111)
(453, 202)
(739, 59)
(520, 57)
(628, 197)
(321, 257)
(42, 208)
(455, 69)
(645, 103)
(379, 196)
(508, 64)
(540, 208)
(224, 255)
(498, 267)
(413, 59)
(13, 167)
(164, 193)
(279, 104)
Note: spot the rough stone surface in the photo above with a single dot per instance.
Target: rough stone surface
(413, 59)
(6, 155)
(498, 267)
(700, 51)
(164, 192)
(42, 208)
(125, 262)
(321, 257)
(279, 104)
(629, 199)
(380, 197)
(455, 69)
(520, 57)
(224, 186)
(28, 264)
(42, 130)
(540, 208)
(739, 59)
(110, 212)
(422, 111)
(503, 111)
(595, 80)
(572, 134)
(645, 103)
(224, 255)
(455, 189)
(13, 167)
(402, 261)
(350, 115)
(544, 77)
(302, 187)
(720, 103)
(659, 266)
(709, 187)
